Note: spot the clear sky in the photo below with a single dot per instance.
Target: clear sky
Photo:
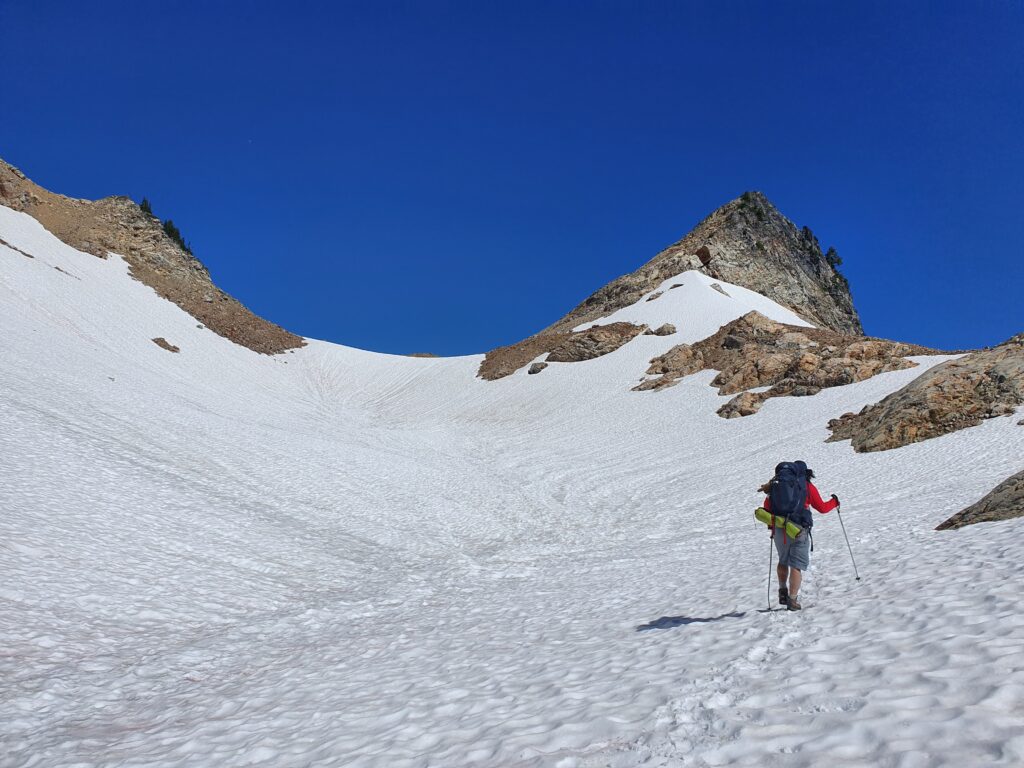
(452, 176)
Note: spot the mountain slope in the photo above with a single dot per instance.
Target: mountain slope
(747, 242)
(335, 557)
(118, 225)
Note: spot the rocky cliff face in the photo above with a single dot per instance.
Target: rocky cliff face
(749, 243)
(116, 224)
(951, 396)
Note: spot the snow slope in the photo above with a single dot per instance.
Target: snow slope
(334, 557)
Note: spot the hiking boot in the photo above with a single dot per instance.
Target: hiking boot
(793, 604)
(783, 596)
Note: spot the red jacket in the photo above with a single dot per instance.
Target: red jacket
(813, 500)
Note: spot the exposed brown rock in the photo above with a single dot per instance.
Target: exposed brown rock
(954, 395)
(1003, 502)
(655, 295)
(754, 351)
(118, 225)
(537, 368)
(16, 249)
(662, 330)
(505, 361)
(163, 343)
(566, 347)
(594, 342)
(746, 242)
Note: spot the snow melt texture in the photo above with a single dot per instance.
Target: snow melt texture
(333, 557)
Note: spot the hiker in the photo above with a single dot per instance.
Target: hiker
(794, 495)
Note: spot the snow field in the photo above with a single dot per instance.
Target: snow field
(334, 557)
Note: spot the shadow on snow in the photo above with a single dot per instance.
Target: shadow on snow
(670, 622)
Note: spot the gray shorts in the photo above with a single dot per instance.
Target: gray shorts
(795, 553)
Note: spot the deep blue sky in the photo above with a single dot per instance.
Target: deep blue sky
(448, 177)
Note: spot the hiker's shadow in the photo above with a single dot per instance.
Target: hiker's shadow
(670, 622)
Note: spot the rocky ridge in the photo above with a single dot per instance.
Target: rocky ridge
(754, 352)
(954, 395)
(118, 225)
(749, 243)
(1003, 502)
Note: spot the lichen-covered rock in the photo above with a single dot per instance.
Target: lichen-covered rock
(954, 395)
(504, 361)
(746, 404)
(1003, 502)
(753, 352)
(594, 342)
(568, 347)
(118, 225)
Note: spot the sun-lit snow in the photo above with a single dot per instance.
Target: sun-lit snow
(334, 557)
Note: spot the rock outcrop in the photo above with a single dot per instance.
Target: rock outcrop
(1003, 502)
(163, 343)
(954, 395)
(564, 347)
(118, 225)
(746, 242)
(596, 341)
(753, 352)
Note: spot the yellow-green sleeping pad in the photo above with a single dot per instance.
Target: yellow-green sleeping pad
(762, 515)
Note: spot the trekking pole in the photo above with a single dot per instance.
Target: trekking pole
(771, 546)
(838, 512)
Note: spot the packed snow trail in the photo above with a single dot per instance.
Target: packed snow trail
(333, 557)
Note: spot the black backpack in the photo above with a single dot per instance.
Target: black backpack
(788, 492)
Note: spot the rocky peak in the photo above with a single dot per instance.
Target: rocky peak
(747, 242)
(116, 224)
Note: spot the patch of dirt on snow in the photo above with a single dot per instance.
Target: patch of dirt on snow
(163, 343)
(16, 249)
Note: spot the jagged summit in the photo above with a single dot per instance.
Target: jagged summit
(117, 224)
(747, 242)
